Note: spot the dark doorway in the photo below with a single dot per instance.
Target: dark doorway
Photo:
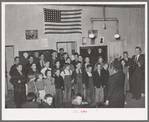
(95, 53)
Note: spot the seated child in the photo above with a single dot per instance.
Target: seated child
(40, 87)
(48, 102)
(30, 101)
(59, 85)
(49, 83)
(78, 103)
(31, 85)
(47, 64)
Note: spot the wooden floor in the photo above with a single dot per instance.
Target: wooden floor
(131, 103)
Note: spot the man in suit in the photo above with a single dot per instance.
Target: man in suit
(53, 59)
(136, 75)
(115, 96)
(41, 62)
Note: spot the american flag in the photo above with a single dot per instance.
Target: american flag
(62, 21)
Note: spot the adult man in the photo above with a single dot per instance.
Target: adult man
(136, 75)
(125, 58)
(29, 64)
(115, 96)
(60, 54)
(13, 67)
(53, 59)
(41, 62)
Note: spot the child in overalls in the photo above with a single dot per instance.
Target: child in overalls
(66, 74)
(77, 79)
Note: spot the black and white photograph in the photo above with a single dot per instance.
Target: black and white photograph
(74, 61)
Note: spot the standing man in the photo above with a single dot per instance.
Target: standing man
(53, 59)
(137, 73)
(13, 67)
(41, 62)
(60, 54)
(115, 96)
(90, 55)
(29, 64)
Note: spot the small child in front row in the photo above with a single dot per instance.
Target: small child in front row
(49, 83)
(40, 87)
(31, 85)
(48, 102)
(59, 85)
(78, 103)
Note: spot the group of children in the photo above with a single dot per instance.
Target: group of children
(90, 82)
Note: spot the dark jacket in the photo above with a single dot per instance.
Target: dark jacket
(46, 105)
(30, 105)
(98, 80)
(18, 77)
(59, 82)
(86, 79)
(116, 87)
(27, 68)
(105, 77)
(39, 67)
(12, 70)
(74, 74)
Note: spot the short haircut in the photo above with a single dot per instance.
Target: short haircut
(31, 75)
(41, 54)
(56, 70)
(89, 65)
(47, 96)
(30, 56)
(139, 48)
(99, 57)
(18, 65)
(125, 52)
(80, 55)
(46, 61)
(61, 49)
(33, 63)
(30, 96)
(98, 64)
(54, 51)
(78, 95)
(57, 61)
(76, 54)
(64, 53)
(47, 72)
(37, 74)
(66, 65)
(78, 62)
(16, 57)
(68, 58)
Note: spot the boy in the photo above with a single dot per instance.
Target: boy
(30, 101)
(77, 103)
(48, 102)
(47, 64)
(98, 81)
(59, 85)
(67, 74)
(88, 79)
(77, 79)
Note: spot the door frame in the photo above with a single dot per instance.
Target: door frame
(66, 42)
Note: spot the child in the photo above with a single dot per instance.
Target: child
(49, 83)
(89, 85)
(105, 79)
(57, 66)
(48, 102)
(18, 80)
(77, 102)
(66, 74)
(31, 85)
(68, 60)
(59, 85)
(98, 81)
(126, 72)
(31, 97)
(47, 64)
(77, 79)
(100, 60)
(40, 87)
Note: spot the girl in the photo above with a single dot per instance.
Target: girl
(34, 68)
(49, 83)
(57, 66)
(31, 86)
(40, 87)
(47, 64)
(66, 74)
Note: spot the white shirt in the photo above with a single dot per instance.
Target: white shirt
(89, 74)
(66, 72)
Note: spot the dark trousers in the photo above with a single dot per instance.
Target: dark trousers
(90, 95)
(19, 98)
(58, 98)
(114, 104)
(105, 92)
(67, 93)
(136, 83)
